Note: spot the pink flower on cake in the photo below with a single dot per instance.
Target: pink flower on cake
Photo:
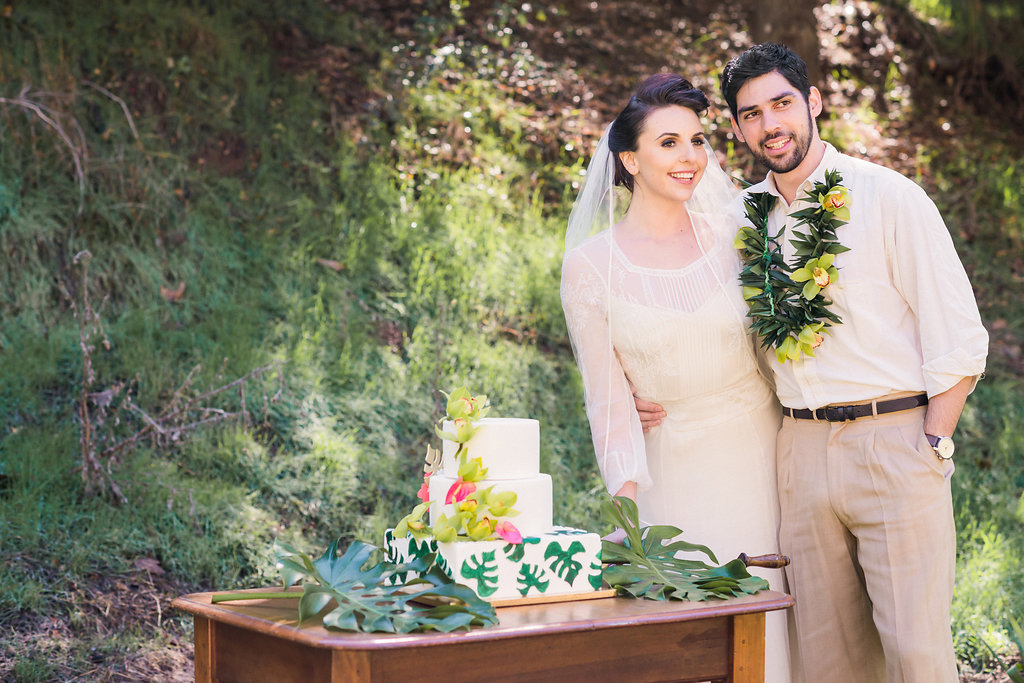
(508, 532)
(459, 490)
(424, 492)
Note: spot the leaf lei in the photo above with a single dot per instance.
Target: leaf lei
(786, 303)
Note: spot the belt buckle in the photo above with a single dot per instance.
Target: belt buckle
(840, 414)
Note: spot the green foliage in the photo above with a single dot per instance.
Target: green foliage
(988, 36)
(364, 600)
(646, 564)
(383, 215)
(987, 493)
(1015, 672)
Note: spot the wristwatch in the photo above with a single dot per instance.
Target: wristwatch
(942, 445)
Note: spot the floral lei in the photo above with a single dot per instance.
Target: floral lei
(787, 306)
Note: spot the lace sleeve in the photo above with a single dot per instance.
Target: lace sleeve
(614, 423)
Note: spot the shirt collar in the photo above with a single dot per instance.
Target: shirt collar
(829, 159)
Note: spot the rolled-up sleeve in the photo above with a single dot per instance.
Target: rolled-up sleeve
(928, 273)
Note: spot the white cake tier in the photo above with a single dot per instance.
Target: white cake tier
(508, 446)
(563, 562)
(533, 500)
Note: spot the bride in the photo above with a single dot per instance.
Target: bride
(654, 309)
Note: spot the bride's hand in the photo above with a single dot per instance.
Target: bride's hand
(650, 413)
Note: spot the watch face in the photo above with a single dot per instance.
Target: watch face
(945, 448)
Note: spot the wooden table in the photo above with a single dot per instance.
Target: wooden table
(608, 639)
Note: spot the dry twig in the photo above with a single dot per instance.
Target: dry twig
(100, 412)
(52, 119)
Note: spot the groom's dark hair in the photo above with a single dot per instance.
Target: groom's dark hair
(654, 92)
(758, 61)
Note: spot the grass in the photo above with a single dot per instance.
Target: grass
(298, 169)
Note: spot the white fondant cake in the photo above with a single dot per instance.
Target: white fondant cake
(509, 448)
(550, 561)
(563, 562)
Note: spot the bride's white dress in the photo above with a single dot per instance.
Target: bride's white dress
(679, 337)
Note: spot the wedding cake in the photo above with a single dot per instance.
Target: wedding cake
(490, 516)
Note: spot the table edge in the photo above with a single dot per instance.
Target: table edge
(199, 605)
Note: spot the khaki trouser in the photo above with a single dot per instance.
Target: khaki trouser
(867, 519)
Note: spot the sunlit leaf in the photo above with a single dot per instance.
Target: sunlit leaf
(364, 601)
(646, 565)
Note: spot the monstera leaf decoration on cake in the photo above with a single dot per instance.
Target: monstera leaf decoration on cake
(645, 565)
(363, 599)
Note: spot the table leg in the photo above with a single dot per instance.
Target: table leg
(204, 648)
(352, 666)
(748, 648)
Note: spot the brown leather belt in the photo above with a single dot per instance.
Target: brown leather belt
(849, 413)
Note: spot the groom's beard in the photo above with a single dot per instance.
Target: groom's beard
(801, 145)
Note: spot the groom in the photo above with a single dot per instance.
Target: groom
(864, 452)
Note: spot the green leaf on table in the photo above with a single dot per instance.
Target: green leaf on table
(363, 599)
(645, 565)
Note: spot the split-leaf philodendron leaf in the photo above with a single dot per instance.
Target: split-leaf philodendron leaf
(364, 600)
(645, 564)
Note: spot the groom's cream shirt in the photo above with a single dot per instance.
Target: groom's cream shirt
(910, 320)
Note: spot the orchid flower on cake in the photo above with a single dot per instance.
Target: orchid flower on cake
(471, 513)
(486, 510)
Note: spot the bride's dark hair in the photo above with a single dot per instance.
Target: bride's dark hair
(654, 92)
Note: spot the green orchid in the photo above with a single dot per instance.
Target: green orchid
(837, 202)
(739, 241)
(472, 470)
(461, 405)
(464, 430)
(444, 531)
(810, 338)
(789, 349)
(500, 504)
(413, 523)
(480, 530)
(818, 273)
(782, 296)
